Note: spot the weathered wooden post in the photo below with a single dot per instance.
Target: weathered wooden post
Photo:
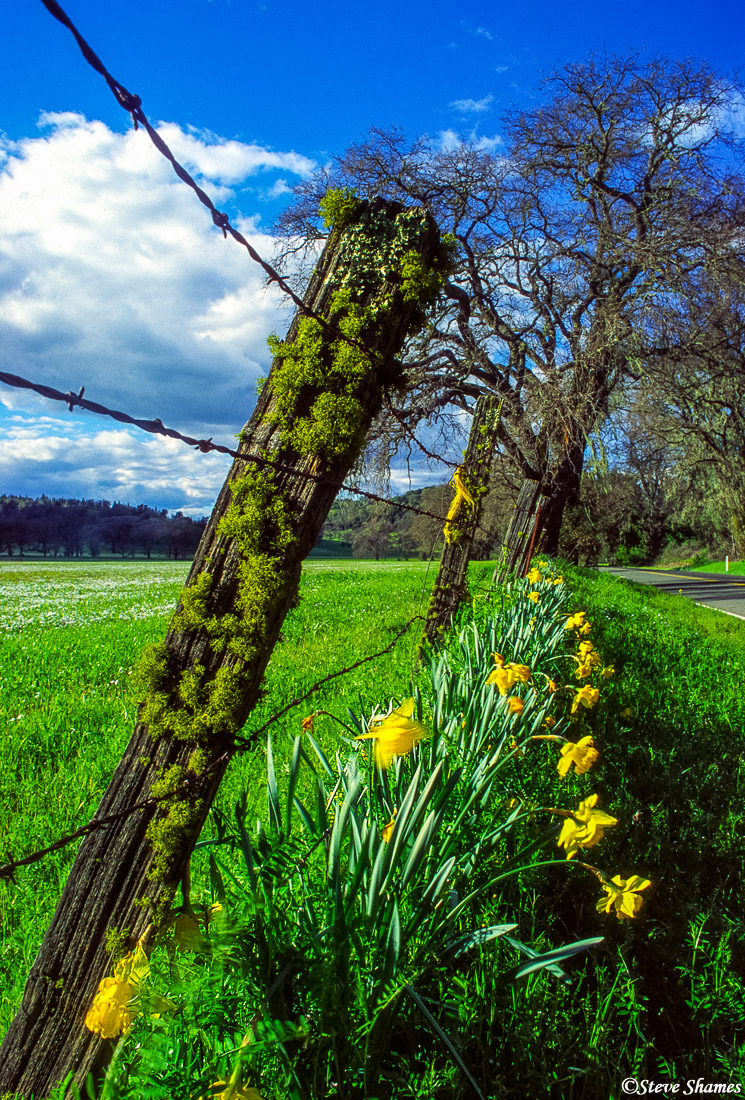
(381, 265)
(471, 483)
(521, 537)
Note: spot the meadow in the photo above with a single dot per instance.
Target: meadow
(660, 997)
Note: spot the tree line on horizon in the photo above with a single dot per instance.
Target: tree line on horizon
(68, 528)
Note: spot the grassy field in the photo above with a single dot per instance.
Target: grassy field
(72, 632)
(661, 998)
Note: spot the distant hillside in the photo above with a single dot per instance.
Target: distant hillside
(64, 528)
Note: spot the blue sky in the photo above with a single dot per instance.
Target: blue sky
(111, 274)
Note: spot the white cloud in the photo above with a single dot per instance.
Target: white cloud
(473, 106)
(63, 459)
(113, 276)
(485, 33)
(450, 140)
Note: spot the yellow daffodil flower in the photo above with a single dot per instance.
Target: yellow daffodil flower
(231, 1090)
(585, 827)
(534, 596)
(515, 704)
(505, 676)
(498, 659)
(623, 896)
(558, 580)
(462, 496)
(608, 672)
(116, 1002)
(395, 735)
(585, 697)
(388, 829)
(549, 721)
(534, 576)
(582, 754)
(307, 724)
(574, 622)
(585, 628)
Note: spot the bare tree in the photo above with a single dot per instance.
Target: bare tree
(597, 205)
(694, 381)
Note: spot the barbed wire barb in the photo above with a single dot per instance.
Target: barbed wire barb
(157, 427)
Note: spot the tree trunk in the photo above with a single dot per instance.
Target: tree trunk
(564, 490)
(450, 585)
(536, 523)
(312, 417)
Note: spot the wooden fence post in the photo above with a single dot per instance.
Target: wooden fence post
(381, 265)
(473, 476)
(520, 540)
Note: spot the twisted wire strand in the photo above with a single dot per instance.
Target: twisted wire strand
(240, 745)
(157, 427)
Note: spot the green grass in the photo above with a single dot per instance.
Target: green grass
(72, 634)
(662, 999)
(736, 568)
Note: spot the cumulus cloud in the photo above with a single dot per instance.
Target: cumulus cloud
(112, 276)
(65, 458)
(473, 106)
(450, 140)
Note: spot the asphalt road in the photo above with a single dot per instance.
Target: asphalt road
(715, 590)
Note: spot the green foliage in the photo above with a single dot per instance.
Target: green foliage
(338, 206)
(661, 997)
(362, 894)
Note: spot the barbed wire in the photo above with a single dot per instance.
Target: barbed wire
(239, 746)
(132, 104)
(157, 427)
(332, 676)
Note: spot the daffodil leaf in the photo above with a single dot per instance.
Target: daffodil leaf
(321, 756)
(275, 812)
(421, 844)
(216, 880)
(292, 783)
(531, 954)
(437, 883)
(542, 962)
(478, 936)
(306, 818)
(448, 1042)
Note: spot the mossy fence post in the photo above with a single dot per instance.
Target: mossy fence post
(523, 531)
(463, 519)
(381, 265)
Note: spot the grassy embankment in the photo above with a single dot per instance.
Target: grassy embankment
(736, 568)
(663, 996)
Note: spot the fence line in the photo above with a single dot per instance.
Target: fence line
(240, 745)
(133, 105)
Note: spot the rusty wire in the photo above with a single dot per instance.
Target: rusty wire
(240, 745)
(157, 427)
(132, 104)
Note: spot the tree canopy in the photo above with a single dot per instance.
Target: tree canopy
(595, 210)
